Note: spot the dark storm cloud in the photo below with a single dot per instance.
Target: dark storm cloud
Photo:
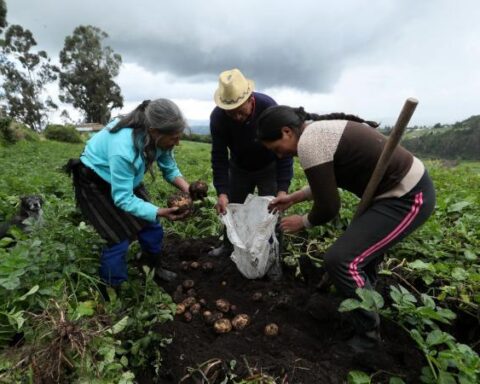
(304, 47)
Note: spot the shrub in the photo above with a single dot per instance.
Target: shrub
(12, 132)
(6, 132)
(64, 133)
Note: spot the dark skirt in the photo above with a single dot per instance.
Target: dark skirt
(94, 198)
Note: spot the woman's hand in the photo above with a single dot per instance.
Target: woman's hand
(171, 213)
(222, 202)
(292, 224)
(281, 203)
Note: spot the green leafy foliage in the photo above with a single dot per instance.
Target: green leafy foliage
(3, 15)
(58, 263)
(87, 72)
(460, 141)
(12, 132)
(26, 73)
(64, 133)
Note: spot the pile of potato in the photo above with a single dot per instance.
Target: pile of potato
(220, 317)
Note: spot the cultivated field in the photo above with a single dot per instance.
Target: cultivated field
(55, 326)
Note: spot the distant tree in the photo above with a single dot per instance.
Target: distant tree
(25, 75)
(86, 76)
(65, 116)
(3, 15)
(438, 125)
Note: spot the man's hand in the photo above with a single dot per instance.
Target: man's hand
(281, 202)
(222, 202)
(292, 224)
(171, 213)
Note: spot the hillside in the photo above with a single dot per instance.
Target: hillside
(458, 141)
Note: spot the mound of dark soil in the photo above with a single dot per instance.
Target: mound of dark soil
(310, 346)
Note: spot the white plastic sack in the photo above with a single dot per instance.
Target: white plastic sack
(251, 230)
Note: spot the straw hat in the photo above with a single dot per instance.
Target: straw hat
(233, 89)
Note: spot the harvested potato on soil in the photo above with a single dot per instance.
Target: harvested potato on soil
(233, 308)
(203, 302)
(189, 301)
(239, 322)
(222, 326)
(271, 329)
(207, 266)
(187, 316)
(211, 317)
(191, 292)
(194, 264)
(222, 305)
(184, 265)
(182, 200)
(187, 284)
(207, 315)
(180, 309)
(198, 190)
(195, 308)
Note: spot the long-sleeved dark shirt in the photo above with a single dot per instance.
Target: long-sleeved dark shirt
(246, 152)
(343, 154)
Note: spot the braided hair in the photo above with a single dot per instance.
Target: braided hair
(272, 120)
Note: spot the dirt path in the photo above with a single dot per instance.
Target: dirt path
(310, 346)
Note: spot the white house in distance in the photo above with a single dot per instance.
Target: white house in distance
(88, 127)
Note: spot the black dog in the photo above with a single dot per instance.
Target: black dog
(29, 212)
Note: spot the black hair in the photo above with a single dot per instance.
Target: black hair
(274, 118)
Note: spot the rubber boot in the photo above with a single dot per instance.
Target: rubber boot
(153, 261)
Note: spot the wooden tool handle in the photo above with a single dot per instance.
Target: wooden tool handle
(382, 163)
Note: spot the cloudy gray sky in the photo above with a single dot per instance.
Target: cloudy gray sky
(357, 56)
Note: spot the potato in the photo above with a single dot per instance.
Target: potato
(207, 315)
(211, 317)
(187, 284)
(224, 283)
(189, 301)
(222, 326)
(222, 305)
(198, 190)
(194, 264)
(180, 200)
(240, 321)
(180, 309)
(203, 302)
(271, 329)
(187, 316)
(195, 308)
(184, 265)
(207, 266)
(257, 296)
(233, 308)
(192, 292)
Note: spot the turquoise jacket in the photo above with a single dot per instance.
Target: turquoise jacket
(113, 157)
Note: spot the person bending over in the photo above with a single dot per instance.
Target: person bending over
(341, 151)
(108, 184)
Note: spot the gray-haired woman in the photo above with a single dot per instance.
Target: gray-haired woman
(108, 183)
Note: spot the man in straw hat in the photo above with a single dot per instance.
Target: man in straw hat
(239, 162)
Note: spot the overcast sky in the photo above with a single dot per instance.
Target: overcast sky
(363, 57)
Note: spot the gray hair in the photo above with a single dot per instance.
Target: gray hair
(162, 115)
(165, 116)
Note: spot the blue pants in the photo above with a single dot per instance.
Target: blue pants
(113, 261)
